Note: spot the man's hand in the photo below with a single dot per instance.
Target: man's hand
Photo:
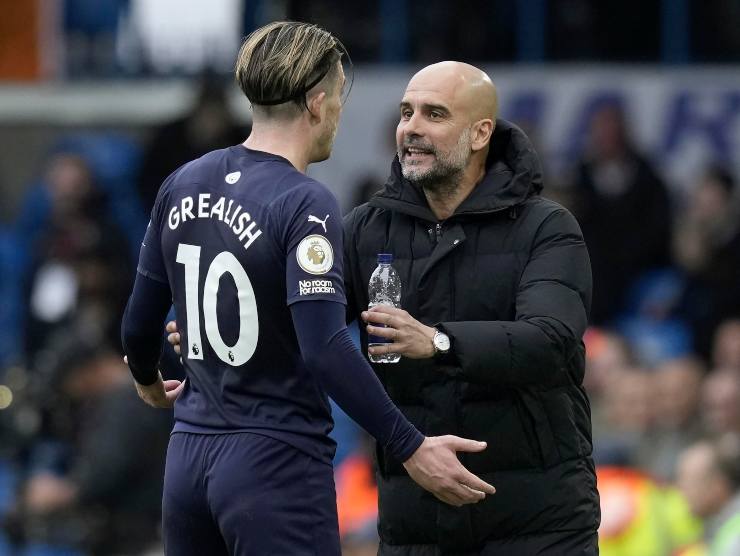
(410, 337)
(435, 467)
(162, 393)
(173, 336)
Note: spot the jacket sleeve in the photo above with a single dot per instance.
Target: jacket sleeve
(552, 302)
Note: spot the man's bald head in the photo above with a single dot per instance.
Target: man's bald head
(448, 113)
(467, 87)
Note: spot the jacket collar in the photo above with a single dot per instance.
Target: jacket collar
(513, 175)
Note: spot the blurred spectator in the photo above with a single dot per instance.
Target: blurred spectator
(676, 395)
(606, 353)
(623, 209)
(627, 406)
(721, 402)
(707, 247)
(372, 182)
(651, 323)
(357, 501)
(107, 497)
(726, 348)
(208, 126)
(709, 476)
(640, 516)
(80, 266)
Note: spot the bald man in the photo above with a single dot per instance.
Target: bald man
(496, 293)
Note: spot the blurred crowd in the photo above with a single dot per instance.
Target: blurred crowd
(81, 458)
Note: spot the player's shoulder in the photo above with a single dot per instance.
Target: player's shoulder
(209, 166)
(198, 170)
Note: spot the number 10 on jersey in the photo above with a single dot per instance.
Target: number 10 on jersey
(246, 344)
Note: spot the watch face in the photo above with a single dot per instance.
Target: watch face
(441, 341)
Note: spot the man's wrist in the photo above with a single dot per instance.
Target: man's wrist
(441, 342)
(431, 331)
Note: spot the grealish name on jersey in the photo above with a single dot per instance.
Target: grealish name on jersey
(308, 287)
(233, 216)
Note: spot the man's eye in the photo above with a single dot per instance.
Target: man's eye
(406, 114)
(435, 115)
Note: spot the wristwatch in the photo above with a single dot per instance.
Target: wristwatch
(441, 342)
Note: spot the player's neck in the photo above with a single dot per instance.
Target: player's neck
(282, 142)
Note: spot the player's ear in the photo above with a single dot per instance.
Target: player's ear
(315, 104)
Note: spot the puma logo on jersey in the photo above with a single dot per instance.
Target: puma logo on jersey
(312, 218)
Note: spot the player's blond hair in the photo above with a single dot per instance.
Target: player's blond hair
(280, 62)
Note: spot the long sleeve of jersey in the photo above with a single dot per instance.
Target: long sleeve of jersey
(340, 368)
(142, 325)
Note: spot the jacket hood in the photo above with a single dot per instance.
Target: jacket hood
(513, 174)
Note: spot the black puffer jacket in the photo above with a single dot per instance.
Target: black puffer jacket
(508, 277)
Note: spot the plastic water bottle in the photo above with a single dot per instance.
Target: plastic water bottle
(384, 289)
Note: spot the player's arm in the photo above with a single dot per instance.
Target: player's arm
(146, 310)
(141, 336)
(341, 369)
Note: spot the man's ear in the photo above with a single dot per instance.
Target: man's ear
(315, 104)
(481, 134)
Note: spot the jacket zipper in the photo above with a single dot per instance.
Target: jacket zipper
(435, 233)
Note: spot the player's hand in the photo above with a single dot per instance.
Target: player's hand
(173, 336)
(410, 337)
(435, 467)
(161, 394)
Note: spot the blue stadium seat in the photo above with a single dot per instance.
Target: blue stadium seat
(12, 267)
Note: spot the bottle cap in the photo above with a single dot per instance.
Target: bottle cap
(385, 258)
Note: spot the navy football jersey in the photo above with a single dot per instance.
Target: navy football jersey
(240, 235)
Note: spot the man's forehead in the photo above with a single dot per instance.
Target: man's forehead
(434, 96)
(434, 84)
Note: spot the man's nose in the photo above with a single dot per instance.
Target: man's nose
(413, 126)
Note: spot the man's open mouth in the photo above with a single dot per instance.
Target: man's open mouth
(416, 153)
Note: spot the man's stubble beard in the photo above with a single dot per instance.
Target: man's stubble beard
(443, 176)
(326, 142)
